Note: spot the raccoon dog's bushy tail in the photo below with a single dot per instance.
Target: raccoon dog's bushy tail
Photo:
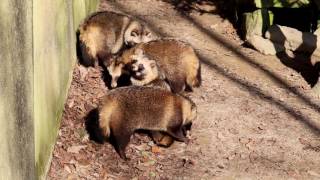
(82, 52)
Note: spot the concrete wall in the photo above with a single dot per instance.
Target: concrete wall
(54, 25)
(37, 52)
(53, 59)
(16, 90)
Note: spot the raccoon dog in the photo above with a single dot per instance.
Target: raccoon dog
(127, 109)
(175, 59)
(104, 34)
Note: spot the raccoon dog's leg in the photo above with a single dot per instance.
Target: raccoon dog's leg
(161, 139)
(104, 58)
(166, 141)
(194, 80)
(177, 133)
(121, 138)
(176, 85)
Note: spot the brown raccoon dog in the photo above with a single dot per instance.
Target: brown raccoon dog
(104, 34)
(145, 72)
(142, 72)
(127, 109)
(176, 60)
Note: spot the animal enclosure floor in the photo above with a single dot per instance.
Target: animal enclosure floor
(257, 118)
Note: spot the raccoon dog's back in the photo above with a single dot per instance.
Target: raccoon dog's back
(98, 34)
(137, 103)
(124, 110)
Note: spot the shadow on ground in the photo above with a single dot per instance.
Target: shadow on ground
(313, 124)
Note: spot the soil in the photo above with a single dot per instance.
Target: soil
(258, 117)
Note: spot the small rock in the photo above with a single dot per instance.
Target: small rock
(253, 156)
(220, 136)
(293, 39)
(232, 156)
(264, 46)
(293, 173)
(243, 156)
(71, 104)
(313, 173)
(233, 131)
(159, 169)
(221, 166)
(187, 162)
(95, 175)
(244, 140)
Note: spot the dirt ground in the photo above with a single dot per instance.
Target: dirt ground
(257, 115)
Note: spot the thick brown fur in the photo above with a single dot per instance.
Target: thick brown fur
(176, 59)
(145, 72)
(127, 109)
(103, 34)
(160, 83)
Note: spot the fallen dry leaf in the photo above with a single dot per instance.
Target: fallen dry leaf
(142, 147)
(66, 168)
(84, 162)
(75, 149)
(155, 149)
(72, 177)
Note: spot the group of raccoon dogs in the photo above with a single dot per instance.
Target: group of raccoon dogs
(160, 70)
